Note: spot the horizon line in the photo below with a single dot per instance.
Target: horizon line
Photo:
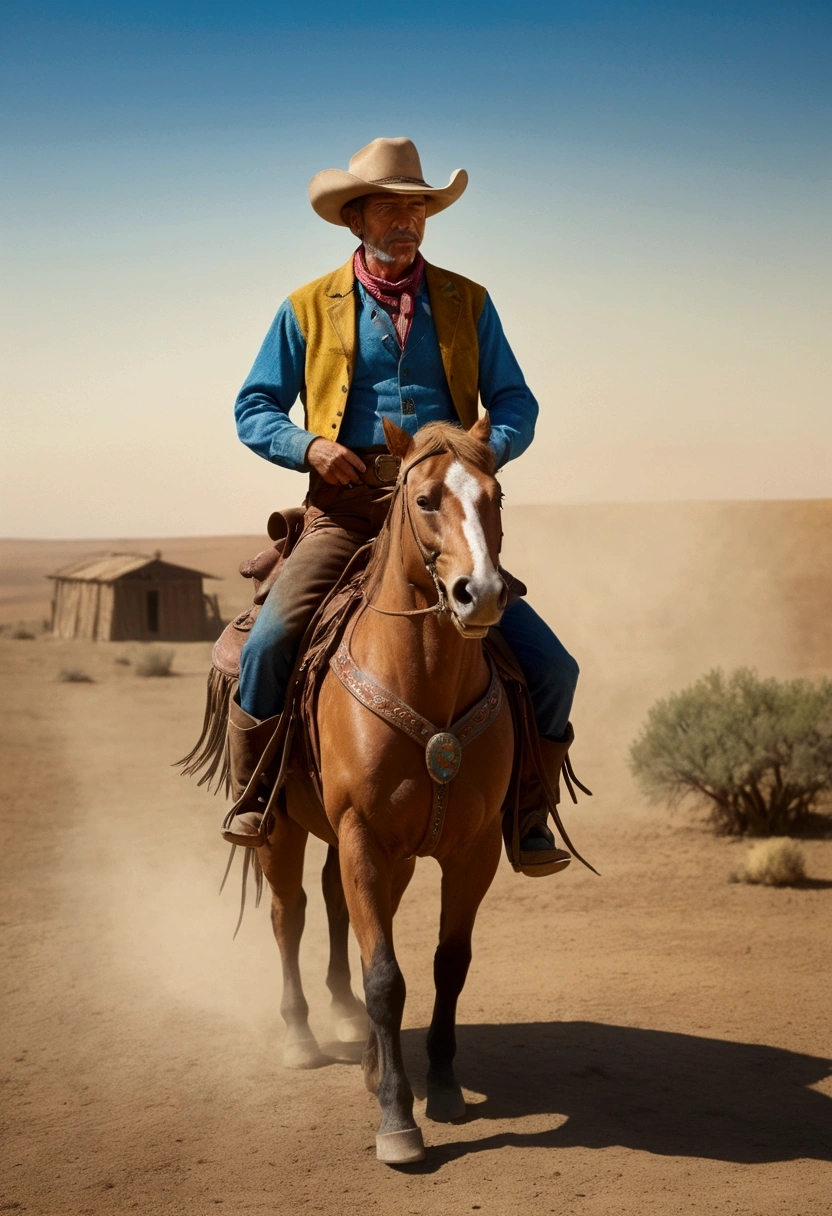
(666, 502)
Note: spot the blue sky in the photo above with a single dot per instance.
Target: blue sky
(648, 206)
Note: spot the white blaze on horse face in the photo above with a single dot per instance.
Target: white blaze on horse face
(464, 486)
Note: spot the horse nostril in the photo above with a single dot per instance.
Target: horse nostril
(461, 593)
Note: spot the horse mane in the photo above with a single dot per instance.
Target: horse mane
(457, 442)
(443, 437)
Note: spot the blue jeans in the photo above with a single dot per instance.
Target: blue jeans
(551, 672)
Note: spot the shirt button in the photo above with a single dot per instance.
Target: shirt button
(340, 412)
(344, 388)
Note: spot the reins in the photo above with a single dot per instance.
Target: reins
(428, 559)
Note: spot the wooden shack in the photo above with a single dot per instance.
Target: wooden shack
(116, 597)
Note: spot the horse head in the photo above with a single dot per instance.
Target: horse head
(450, 518)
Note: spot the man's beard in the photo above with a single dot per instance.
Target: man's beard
(382, 254)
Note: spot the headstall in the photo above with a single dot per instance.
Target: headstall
(429, 559)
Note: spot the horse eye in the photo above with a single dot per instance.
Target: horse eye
(422, 501)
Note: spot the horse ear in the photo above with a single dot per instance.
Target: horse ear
(398, 441)
(481, 429)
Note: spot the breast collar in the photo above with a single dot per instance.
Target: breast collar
(443, 748)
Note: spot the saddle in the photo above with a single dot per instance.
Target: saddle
(324, 648)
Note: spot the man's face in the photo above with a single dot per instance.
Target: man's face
(392, 225)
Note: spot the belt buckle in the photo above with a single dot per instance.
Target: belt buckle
(386, 467)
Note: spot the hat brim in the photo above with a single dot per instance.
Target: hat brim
(331, 189)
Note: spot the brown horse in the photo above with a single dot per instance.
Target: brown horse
(433, 589)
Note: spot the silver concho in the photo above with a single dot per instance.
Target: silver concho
(443, 756)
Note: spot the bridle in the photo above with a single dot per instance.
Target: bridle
(429, 559)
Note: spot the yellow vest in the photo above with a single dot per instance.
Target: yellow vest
(327, 313)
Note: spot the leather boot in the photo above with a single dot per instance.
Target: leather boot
(538, 854)
(247, 740)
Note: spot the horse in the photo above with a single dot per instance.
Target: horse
(432, 590)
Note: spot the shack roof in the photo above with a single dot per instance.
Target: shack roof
(109, 567)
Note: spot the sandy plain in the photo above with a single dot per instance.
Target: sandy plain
(653, 1041)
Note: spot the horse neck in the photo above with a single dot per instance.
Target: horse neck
(423, 659)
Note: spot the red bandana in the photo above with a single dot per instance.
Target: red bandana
(398, 297)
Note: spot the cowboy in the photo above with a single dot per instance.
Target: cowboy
(388, 335)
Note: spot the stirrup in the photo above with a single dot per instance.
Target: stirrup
(246, 840)
(537, 863)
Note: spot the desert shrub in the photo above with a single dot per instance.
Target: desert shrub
(74, 675)
(155, 662)
(21, 634)
(774, 863)
(122, 660)
(757, 753)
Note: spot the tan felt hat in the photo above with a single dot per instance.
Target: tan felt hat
(386, 166)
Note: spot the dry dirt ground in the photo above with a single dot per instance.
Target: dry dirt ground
(653, 1041)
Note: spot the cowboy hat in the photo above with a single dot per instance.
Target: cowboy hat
(386, 166)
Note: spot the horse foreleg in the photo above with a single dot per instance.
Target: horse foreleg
(282, 862)
(348, 1013)
(402, 875)
(368, 877)
(465, 881)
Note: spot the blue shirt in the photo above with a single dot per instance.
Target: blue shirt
(408, 386)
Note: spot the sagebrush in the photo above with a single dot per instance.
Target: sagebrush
(74, 675)
(157, 661)
(775, 863)
(757, 752)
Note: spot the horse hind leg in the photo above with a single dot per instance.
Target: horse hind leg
(348, 1013)
(464, 884)
(282, 862)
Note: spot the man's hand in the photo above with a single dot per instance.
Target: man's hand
(336, 464)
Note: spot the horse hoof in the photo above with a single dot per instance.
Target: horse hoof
(445, 1105)
(400, 1148)
(352, 1030)
(303, 1053)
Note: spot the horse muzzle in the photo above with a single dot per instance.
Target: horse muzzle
(476, 604)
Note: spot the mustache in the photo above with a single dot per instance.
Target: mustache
(404, 235)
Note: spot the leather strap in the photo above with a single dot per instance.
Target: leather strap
(392, 709)
(438, 810)
(532, 740)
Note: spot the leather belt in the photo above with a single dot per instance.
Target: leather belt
(382, 468)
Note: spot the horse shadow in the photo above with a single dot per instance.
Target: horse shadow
(650, 1090)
